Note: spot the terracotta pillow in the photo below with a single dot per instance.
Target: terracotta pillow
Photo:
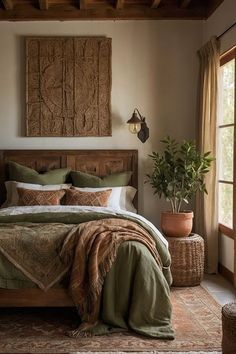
(28, 197)
(76, 197)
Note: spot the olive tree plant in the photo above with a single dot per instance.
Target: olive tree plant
(179, 172)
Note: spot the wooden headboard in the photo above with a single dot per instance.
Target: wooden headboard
(97, 162)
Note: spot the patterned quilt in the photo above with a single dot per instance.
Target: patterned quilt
(135, 291)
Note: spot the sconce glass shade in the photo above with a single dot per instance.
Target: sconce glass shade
(134, 123)
(134, 128)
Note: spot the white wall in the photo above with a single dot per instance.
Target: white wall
(220, 20)
(154, 68)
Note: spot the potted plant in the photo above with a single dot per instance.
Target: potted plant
(177, 175)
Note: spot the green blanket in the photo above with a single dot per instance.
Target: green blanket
(136, 291)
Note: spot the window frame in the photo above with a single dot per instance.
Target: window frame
(227, 231)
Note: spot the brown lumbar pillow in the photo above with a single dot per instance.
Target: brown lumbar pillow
(29, 197)
(76, 197)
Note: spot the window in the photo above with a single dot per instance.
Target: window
(227, 145)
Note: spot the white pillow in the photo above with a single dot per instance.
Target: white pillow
(12, 194)
(120, 198)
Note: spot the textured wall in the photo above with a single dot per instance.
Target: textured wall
(154, 68)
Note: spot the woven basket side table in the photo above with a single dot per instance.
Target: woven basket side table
(187, 259)
(229, 328)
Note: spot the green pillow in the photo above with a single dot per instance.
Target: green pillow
(25, 174)
(81, 179)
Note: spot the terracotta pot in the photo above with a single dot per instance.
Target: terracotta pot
(177, 224)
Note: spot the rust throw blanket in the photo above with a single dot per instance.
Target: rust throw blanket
(92, 248)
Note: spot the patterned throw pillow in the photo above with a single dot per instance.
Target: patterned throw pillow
(12, 194)
(76, 197)
(28, 197)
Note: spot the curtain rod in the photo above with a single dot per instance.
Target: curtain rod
(228, 29)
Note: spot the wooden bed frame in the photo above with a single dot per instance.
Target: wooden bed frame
(97, 162)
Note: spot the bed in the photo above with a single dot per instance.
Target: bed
(95, 162)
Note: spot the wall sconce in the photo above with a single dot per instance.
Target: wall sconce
(137, 125)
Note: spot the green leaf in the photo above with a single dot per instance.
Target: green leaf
(179, 172)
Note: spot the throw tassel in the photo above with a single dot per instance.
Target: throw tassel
(83, 331)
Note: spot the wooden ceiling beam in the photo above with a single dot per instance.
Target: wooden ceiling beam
(8, 4)
(212, 6)
(95, 10)
(183, 4)
(43, 4)
(119, 4)
(155, 4)
(30, 13)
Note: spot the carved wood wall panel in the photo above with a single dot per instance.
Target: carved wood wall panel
(68, 86)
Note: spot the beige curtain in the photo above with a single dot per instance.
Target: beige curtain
(206, 223)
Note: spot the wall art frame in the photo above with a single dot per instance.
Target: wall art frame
(68, 86)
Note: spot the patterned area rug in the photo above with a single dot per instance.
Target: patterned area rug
(196, 320)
